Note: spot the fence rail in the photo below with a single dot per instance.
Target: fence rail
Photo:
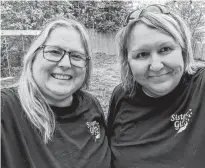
(100, 42)
(20, 32)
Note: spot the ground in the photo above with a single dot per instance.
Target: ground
(106, 75)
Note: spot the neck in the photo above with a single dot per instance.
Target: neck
(62, 102)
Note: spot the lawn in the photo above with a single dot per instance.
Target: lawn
(105, 76)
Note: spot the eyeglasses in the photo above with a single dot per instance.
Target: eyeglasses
(136, 14)
(56, 54)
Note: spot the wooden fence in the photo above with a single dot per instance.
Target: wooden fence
(101, 42)
(199, 51)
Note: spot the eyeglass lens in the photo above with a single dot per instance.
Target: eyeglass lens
(55, 54)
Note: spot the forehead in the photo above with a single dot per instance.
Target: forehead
(141, 34)
(65, 37)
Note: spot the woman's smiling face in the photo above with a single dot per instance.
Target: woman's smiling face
(155, 60)
(59, 80)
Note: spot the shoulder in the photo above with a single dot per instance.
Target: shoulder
(10, 104)
(8, 91)
(118, 89)
(87, 100)
(90, 105)
(200, 72)
(8, 95)
(118, 93)
(199, 76)
(196, 81)
(87, 97)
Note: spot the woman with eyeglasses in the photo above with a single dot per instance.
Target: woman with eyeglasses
(49, 120)
(157, 114)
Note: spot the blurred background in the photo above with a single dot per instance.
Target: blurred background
(22, 20)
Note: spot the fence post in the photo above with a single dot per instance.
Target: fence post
(23, 44)
(7, 57)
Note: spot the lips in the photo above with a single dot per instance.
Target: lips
(158, 75)
(158, 78)
(61, 76)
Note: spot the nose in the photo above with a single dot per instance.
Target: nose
(65, 61)
(156, 63)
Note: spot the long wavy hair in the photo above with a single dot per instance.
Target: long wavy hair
(33, 102)
(170, 24)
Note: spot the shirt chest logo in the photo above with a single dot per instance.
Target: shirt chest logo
(181, 121)
(94, 128)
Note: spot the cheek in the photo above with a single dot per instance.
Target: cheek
(40, 68)
(80, 74)
(138, 68)
(182, 62)
(177, 56)
(176, 61)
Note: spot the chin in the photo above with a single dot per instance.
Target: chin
(162, 92)
(63, 92)
(60, 91)
(159, 91)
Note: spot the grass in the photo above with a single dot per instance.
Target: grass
(105, 76)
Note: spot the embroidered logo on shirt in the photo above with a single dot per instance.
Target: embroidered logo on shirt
(94, 128)
(181, 121)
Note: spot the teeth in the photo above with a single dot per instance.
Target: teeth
(62, 77)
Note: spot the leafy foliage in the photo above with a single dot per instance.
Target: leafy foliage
(104, 16)
(193, 14)
(22, 15)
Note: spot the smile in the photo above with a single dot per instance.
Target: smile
(159, 75)
(61, 76)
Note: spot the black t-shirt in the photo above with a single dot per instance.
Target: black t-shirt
(79, 139)
(165, 132)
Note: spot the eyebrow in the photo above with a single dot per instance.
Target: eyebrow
(167, 43)
(140, 48)
(146, 47)
(69, 50)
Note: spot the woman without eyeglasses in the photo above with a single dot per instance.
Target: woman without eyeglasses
(47, 120)
(157, 114)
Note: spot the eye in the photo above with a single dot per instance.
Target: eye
(165, 50)
(142, 55)
(77, 56)
(54, 51)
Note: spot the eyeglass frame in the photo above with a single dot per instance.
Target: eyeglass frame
(162, 8)
(65, 52)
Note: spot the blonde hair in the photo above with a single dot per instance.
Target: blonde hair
(170, 24)
(33, 102)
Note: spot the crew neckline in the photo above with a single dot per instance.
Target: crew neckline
(62, 113)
